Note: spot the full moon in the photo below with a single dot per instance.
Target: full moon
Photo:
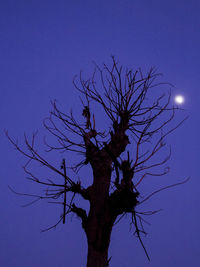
(179, 99)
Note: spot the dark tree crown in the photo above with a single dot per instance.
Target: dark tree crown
(121, 156)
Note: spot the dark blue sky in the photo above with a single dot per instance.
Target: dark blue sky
(43, 44)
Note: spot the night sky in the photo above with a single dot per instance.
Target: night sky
(43, 44)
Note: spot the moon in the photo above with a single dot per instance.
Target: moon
(179, 99)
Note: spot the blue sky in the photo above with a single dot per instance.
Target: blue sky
(43, 44)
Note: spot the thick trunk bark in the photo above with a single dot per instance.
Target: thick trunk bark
(99, 227)
(98, 237)
(97, 258)
(98, 233)
(100, 221)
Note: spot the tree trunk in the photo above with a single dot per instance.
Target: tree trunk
(100, 220)
(98, 237)
(98, 231)
(97, 258)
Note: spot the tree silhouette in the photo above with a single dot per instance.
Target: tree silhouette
(139, 114)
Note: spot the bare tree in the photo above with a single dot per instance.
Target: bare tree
(139, 114)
